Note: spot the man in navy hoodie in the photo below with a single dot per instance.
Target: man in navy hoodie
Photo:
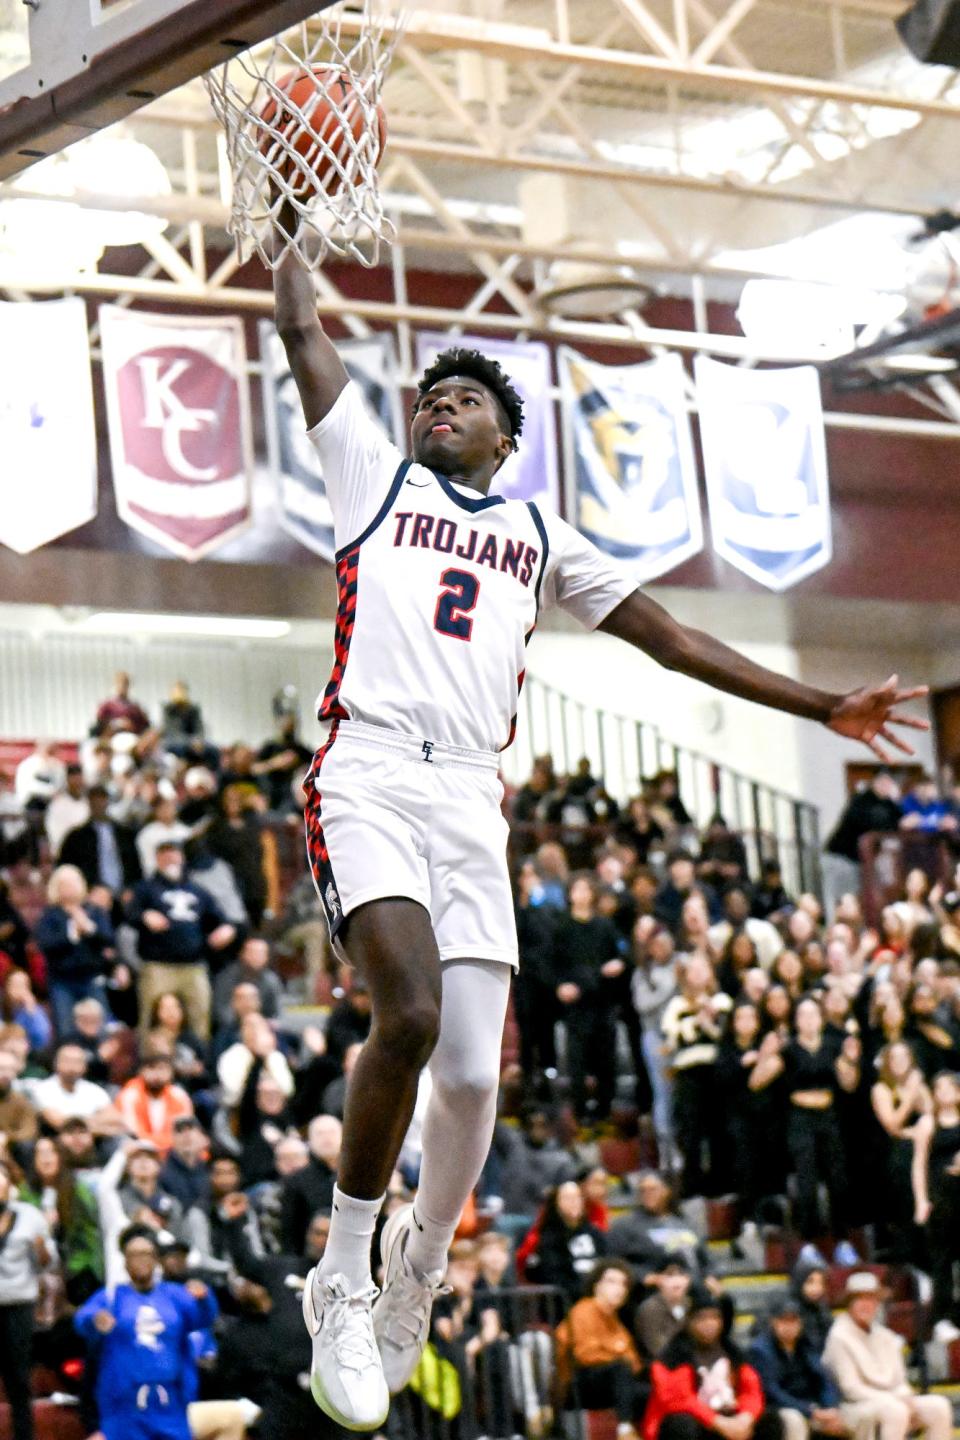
(794, 1378)
(177, 925)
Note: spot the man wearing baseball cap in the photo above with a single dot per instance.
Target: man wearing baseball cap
(866, 1359)
(794, 1377)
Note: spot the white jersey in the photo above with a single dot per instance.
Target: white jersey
(439, 589)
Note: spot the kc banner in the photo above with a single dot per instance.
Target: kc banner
(179, 418)
(629, 450)
(304, 508)
(766, 467)
(47, 436)
(531, 472)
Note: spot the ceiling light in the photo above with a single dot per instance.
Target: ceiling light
(220, 626)
(811, 317)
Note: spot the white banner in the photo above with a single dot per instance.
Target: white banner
(630, 454)
(530, 473)
(48, 473)
(765, 459)
(179, 418)
(304, 508)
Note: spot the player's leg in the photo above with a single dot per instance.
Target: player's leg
(458, 1127)
(392, 945)
(472, 913)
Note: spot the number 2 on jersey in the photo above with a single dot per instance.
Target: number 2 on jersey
(455, 604)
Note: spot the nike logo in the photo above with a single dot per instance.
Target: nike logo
(418, 484)
(416, 1222)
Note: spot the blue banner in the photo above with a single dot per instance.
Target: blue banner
(765, 459)
(630, 454)
(304, 508)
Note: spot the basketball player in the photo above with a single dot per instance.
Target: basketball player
(441, 584)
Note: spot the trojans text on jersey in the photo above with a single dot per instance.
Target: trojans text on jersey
(429, 532)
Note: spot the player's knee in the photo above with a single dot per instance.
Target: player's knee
(410, 1032)
(468, 1083)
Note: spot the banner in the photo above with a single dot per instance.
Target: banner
(304, 508)
(531, 473)
(765, 459)
(47, 436)
(630, 454)
(179, 419)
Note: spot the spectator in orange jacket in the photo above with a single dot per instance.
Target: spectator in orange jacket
(595, 1350)
(702, 1387)
(150, 1102)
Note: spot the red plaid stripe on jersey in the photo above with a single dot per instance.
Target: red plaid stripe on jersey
(347, 568)
(317, 852)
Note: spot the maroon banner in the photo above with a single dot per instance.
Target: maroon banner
(179, 419)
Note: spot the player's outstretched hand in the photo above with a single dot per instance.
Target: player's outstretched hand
(868, 714)
(197, 1289)
(104, 1321)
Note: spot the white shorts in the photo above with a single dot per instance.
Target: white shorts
(391, 815)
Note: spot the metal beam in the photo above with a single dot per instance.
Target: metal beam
(461, 32)
(106, 66)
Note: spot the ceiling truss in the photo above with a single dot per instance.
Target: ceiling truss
(682, 63)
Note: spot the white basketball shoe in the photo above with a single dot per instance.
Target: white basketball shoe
(401, 1316)
(346, 1375)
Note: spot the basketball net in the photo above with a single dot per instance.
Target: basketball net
(270, 162)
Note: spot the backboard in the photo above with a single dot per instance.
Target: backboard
(80, 66)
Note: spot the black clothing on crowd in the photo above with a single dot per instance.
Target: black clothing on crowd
(345, 1027)
(278, 783)
(686, 1427)
(639, 840)
(534, 991)
(14, 931)
(866, 811)
(258, 1134)
(284, 1354)
(304, 1193)
(935, 1044)
(751, 1161)
(769, 900)
(565, 1256)
(648, 1242)
(82, 847)
(580, 949)
(943, 1226)
(612, 1387)
(16, 1358)
(816, 1314)
(192, 913)
(240, 845)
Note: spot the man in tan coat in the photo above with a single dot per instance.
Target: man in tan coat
(866, 1359)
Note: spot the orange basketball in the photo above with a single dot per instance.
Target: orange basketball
(322, 133)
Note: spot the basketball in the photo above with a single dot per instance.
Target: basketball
(323, 131)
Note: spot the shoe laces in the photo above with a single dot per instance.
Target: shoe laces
(347, 1320)
(410, 1299)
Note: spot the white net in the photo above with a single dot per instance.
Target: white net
(304, 133)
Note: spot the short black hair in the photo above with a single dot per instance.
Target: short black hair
(479, 367)
(138, 1232)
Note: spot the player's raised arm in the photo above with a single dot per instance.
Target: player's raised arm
(314, 362)
(865, 714)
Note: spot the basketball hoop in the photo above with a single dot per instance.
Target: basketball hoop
(305, 132)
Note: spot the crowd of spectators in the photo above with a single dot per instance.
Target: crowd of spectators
(170, 1127)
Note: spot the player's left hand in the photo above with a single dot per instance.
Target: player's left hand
(867, 714)
(197, 1289)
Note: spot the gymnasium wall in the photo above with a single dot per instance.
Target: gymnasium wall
(52, 685)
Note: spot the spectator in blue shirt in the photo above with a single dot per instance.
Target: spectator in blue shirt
(925, 810)
(140, 1337)
(794, 1378)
